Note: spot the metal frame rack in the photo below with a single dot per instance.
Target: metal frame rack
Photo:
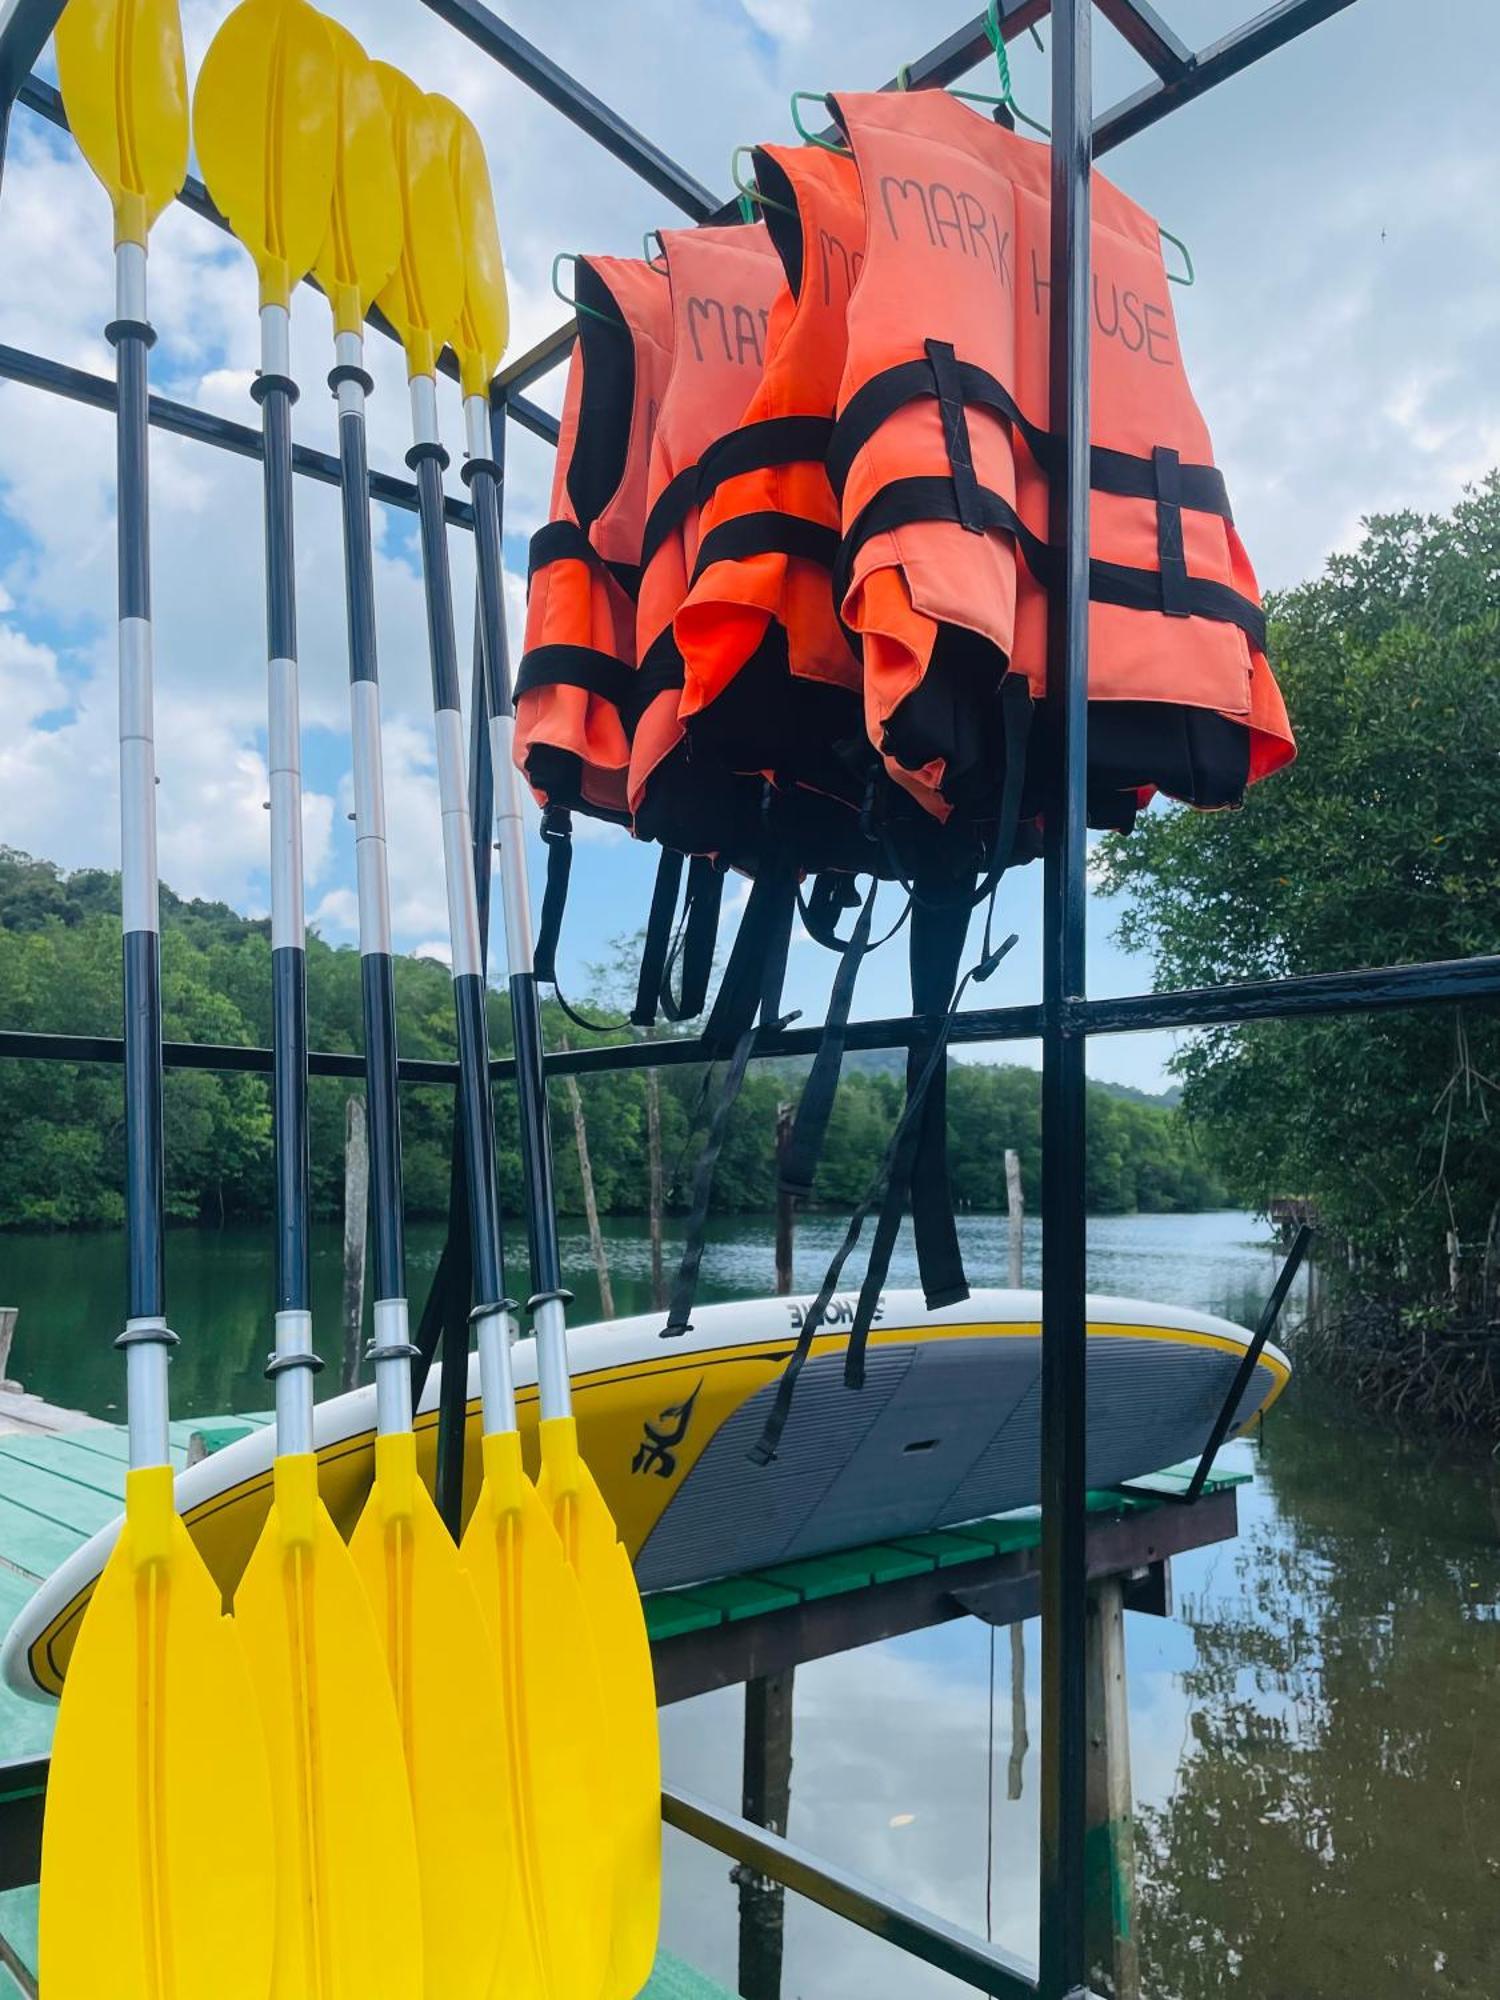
(1065, 1017)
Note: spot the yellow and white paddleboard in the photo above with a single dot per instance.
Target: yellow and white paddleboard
(946, 1428)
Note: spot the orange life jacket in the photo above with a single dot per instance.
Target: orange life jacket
(723, 284)
(942, 459)
(770, 681)
(579, 659)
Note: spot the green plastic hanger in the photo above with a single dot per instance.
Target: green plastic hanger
(570, 257)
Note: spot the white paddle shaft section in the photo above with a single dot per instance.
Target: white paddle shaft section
(393, 1410)
(294, 1399)
(146, 1394)
(130, 282)
(496, 1334)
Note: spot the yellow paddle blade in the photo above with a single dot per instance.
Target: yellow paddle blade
(484, 322)
(363, 238)
(346, 1858)
(442, 1669)
(124, 87)
(557, 1944)
(425, 293)
(612, 1604)
(157, 1877)
(264, 124)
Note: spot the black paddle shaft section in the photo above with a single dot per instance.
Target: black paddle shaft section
(525, 1006)
(476, 1105)
(288, 961)
(145, 1197)
(377, 974)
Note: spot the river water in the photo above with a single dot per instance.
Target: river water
(1315, 1734)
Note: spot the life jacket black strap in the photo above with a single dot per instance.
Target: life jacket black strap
(687, 945)
(756, 447)
(557, 541)
(749, 996)
(660, 671)
(673, 505)
(911, 1149)
(575, 666)
(768, 534)
(933, 498)
(565, 541)
(557, 836)
(1122, 473)
(948, 386)
(1171, 558)
(804, 1146)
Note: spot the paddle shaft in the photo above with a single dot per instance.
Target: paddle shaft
(146, 1339)
(294, 1363)
(392, 1349)
(492, 1312)
(550, 1302)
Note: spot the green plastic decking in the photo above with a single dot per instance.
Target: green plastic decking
(57, 1491)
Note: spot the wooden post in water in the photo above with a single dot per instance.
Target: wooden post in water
(1020, 1739)
(356, 1228)
(590, 1204)
(786, 1211)
(8, 1317)
(654, 1187)
(766, 1798)
(1114, 1954)
(1015, 1204)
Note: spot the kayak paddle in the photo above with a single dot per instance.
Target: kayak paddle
(438, 1654)
(264, 125)
(139, 1895)
(557, 1945)
(611, 1600)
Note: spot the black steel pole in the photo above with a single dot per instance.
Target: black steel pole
(1064, 1316)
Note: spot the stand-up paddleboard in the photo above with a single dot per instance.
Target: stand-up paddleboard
(946, 1428)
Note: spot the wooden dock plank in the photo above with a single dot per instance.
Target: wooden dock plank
(56, 1455)
(37, 1488)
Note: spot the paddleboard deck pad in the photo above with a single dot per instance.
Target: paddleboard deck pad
(946, 1428)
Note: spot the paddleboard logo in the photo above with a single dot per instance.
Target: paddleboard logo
(657, 1451)
(840, 1313)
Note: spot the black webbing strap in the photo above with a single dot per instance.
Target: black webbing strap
(687, 945)
(658, 941)
(749, 995)
(692, 952)
(557, 834)
(804, 1146)
(660, 671)
(1171, 558)
(931, 497)
(767, 534)
(949, 387)
(673, 505)
(764, 1451)
(576, 666)
(938, 930)
(1121, 473)
(757, 447)
(893, 1179)
(558, 541)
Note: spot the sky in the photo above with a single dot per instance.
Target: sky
(1341, 339)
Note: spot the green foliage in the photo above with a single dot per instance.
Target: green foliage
(62, 1164)
(1380, 845)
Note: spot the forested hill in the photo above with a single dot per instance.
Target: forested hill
(61, 1161)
